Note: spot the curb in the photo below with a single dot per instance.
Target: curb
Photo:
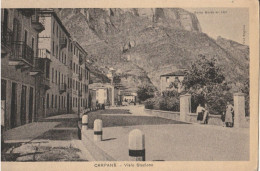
(96, 152)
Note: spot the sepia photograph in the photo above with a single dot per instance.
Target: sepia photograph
(125, 84)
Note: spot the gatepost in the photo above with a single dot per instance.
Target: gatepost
(185, 106)
(239, 109)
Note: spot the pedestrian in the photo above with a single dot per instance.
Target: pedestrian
(206, 115)
(199, 112)
(229, 115)
(223, 119)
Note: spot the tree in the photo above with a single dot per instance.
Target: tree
(203, 72)
(206, 83)
(145, 92)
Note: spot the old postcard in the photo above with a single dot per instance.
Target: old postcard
(114, 85)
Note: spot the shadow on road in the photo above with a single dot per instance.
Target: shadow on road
(114, 120)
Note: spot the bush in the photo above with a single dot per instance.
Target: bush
(149, 103)
(163, 103)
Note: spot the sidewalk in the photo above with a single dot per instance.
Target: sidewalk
(28, 132)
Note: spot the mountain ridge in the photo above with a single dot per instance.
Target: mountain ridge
(142, 44)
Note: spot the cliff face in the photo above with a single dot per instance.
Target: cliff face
(142, 44)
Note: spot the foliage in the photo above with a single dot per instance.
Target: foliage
(145, 92)
(206, 83)
(169, 100)
(203, 72)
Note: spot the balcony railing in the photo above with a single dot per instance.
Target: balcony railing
(62, 88)
(6, 37)
(22, 52)
(36, 24)
(44, 53)
(63, 42)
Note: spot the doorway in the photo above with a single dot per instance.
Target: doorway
(30, 104)
(23, 105)
(13, 105)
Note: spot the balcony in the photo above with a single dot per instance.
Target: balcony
(38, 67)
(28, 12)
(44, 53)
(36, 24)
(46, 83)
(80, 77)
(22, 54)
(6, 40)
(62, 88)
(63, 42)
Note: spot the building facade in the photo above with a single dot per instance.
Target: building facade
(80, 78)
(23, 74)
(54, 41)
(172, 81)
(44, 72)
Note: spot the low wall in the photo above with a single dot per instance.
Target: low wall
(163, 114)
(191, 117)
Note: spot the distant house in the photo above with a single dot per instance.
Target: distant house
(102, 94)
(173, 81)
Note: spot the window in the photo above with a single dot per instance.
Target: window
(87, 74)
(167, 79)
(47, 99)
(57, 51)
(76, 102)
(3, 89)
(65, 60)
(47, 74)
(25, 36)
(53, 48)
(74, 67)
(59, 78)
(55, 101)
(52, 74)
(32, 43)
(57, 32)
(56, 76)
(53, 28)
(59, 103)
(52, 98)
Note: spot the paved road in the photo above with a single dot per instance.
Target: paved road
(52, 139)
(169, 140)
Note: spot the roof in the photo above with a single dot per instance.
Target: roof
(175, 73)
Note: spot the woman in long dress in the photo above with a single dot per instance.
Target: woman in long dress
(229, 115)
(200, 110)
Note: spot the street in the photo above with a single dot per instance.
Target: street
(55, 139)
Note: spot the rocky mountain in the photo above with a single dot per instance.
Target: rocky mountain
(142, 44)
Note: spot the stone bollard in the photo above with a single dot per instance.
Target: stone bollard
(136, 145)
(98, 130)
(84, 122)
(239, 110)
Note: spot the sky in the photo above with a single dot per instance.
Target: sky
(230, 23)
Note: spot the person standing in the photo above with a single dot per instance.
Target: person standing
(229, 115)
(199, 112)
(206, 115)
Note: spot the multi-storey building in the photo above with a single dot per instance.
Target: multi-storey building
(80, 78)
(54, 41)
(23, 75)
